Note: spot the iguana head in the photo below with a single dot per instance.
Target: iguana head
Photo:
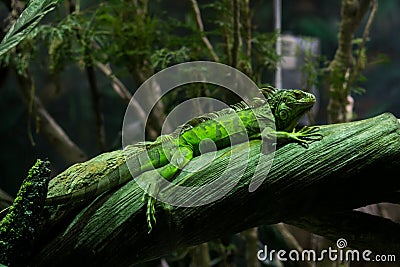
(288, 106)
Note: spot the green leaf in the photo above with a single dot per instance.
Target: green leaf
(28, 20)
(358, 90)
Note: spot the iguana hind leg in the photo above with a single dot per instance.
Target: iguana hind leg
(179, 159)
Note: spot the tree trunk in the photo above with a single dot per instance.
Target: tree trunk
(352, 166)
(340, 107)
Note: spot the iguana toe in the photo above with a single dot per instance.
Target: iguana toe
(150, 213)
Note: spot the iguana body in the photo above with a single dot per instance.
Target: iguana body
(172, 152)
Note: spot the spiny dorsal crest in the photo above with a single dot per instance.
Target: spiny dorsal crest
(267, 91)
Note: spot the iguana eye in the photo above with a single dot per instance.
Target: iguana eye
(283, 114)
(297, 95)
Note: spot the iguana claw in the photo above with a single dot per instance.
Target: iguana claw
(306, 135)
(150, 213)
(150, 209)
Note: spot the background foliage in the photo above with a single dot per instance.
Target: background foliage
(139, 44)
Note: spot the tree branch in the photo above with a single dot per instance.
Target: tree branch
(352, 13)
(236, 33)
(50, 129)
(247, 26)
(200, 26)
(94, 90)
(124, 93)
(117, 84)
(359, 65)
(5, 201)
(352, 166)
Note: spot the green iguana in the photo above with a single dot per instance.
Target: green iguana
(169, 153)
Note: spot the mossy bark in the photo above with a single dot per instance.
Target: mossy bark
(342, 65)
(19, 228)
(351, 167)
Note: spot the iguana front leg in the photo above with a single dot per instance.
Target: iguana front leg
(304, 136)
(307, 135)
(179, 159)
